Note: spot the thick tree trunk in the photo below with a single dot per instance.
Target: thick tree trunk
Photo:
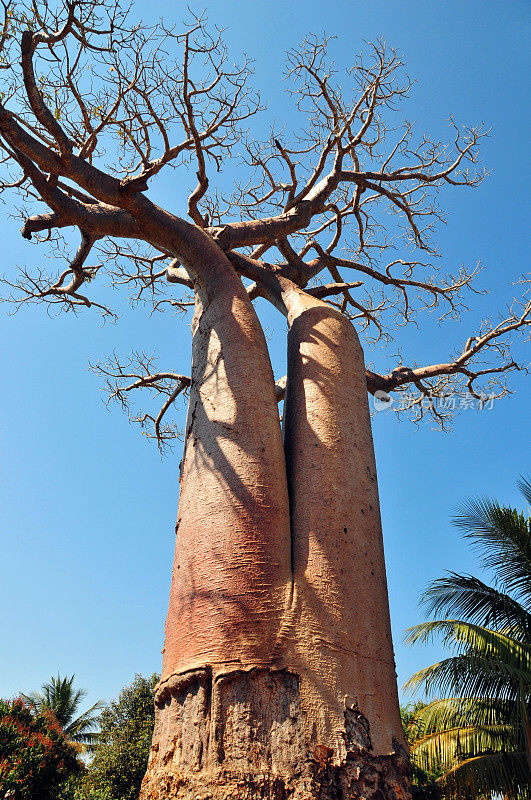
(278, 677)
(340, 631)
(232, 556)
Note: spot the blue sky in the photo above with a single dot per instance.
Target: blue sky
(88, 507)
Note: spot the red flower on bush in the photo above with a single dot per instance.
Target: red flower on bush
(36, 756)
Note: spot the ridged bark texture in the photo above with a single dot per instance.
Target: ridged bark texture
(241, 737)
(340, 631)
(232, 557)
(278, 676)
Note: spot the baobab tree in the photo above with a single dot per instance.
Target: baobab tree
(278, 674)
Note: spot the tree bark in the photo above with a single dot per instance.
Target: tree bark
(232, 557)
(341, 631)
(278, 677)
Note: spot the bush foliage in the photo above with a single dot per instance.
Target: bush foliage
(122, 750)
(35, 755)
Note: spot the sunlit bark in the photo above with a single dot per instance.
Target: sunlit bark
(232, 562)
(278, 675)
(341, 628)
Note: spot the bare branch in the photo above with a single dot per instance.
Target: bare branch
(138, 372)
(34, 288)
(485, 359)
(330, 289)
(95, 106)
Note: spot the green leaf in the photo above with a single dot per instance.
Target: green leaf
(503, 537)
(502, 774)
(466, 597)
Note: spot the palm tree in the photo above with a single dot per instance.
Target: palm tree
(481, 734)
(60, 697)
(424, 784)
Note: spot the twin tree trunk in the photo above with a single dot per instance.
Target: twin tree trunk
(278, 675)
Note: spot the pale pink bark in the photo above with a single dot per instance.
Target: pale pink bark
(339, 632)
(232, 560)
(278, 677)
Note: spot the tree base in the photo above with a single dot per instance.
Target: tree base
(242, 736)
(362, 777)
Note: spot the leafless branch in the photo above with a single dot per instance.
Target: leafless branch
(138, 371)
(94, 106)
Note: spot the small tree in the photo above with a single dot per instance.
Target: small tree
(480, 735)
(35, 755)
(123, 745)
(60, 697)
(423, 781)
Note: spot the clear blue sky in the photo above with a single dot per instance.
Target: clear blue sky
(88, 507)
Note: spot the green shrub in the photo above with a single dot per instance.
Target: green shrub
(123, 745)
(35, 755)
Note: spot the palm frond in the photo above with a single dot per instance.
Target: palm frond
(60, 697)
(448, 747)
(454, 712)
(503, 537)
(480, 735)
(475, 640)
(504, 774)
(524, 484)
(81, 729)
(467, 597)
(471, 676)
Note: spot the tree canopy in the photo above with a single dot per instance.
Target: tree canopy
(124, 742)
(95, 107)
